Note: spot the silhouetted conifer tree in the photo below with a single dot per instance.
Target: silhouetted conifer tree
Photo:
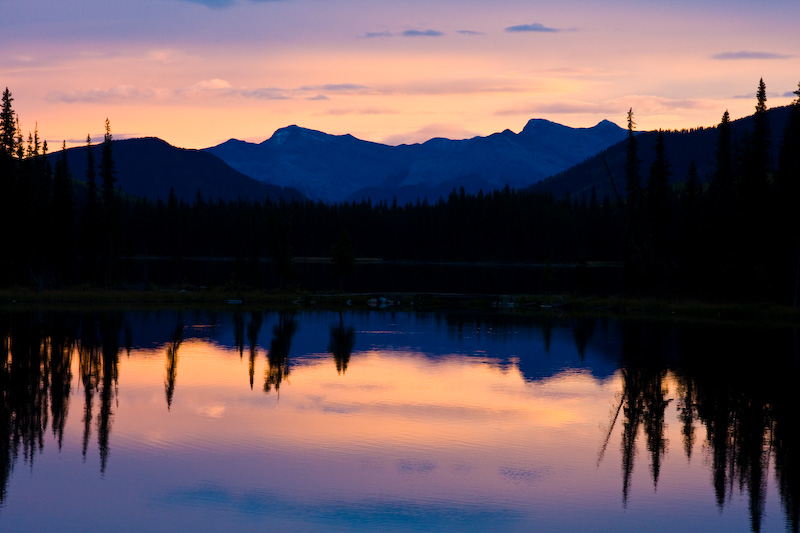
(8, 183)
(633, 180)
(761, 135)
(8, 127)
(634, 258)
(91, 231)
(110, 227)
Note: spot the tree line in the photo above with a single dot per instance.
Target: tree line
(731, 235)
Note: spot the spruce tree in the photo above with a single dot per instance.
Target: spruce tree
(19, 145)
(634, 255)
(107, 171)
(756, 235)
(722, 183)
(633, 181)
(8, 127)
(110, 241)
(90, 231)
(8, 184)
(761, 137)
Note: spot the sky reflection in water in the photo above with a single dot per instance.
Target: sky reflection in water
(378, 420)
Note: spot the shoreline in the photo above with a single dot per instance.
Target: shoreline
(517, 304)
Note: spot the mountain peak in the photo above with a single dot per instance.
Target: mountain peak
(537, 126)
(294, 132)
(605, 125)
(333, 168)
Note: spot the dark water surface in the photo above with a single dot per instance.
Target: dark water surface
(320, 421)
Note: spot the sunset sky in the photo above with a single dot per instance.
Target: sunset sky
(198, 72)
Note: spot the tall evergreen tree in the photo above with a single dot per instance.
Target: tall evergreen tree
(8, 183)
(110, 244)
(90, 232)
(722, 182)
(634, 254)
(761, 137)
(20, 144)
(8, 127)
(633, 180)
(107, 171)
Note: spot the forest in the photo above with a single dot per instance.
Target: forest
(730, 235)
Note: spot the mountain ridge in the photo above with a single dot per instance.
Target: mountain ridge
(335, 168)
(681, 148)
(149, 167)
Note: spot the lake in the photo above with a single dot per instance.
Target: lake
(322, 421)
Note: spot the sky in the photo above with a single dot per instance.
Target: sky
(199, 72)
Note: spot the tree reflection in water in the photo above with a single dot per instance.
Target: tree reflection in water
(173, 346)
(110, 326)
(738, 383)
(253, 330)
(644, 399)
(341, 344)
(279, 347)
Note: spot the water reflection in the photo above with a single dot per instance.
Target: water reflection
(253, 329)
(729, 391)
(172, 359)
(343, 340)
(279, 347)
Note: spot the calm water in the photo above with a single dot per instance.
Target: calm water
(394, 421)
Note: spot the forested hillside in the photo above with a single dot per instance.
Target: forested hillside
(726, 228)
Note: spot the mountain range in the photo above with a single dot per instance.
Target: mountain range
(335, 168)
(149, 167)
(606, 169)
(299, 163)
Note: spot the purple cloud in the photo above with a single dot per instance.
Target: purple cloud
(220, 4)
(422, 33)
(744, 54)
(214, 4)
(334, 87)
(374, 34)
(535, 27)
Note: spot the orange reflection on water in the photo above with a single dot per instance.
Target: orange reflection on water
(466, 424)
(381, 397)
(506, 428)
(396, 425)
